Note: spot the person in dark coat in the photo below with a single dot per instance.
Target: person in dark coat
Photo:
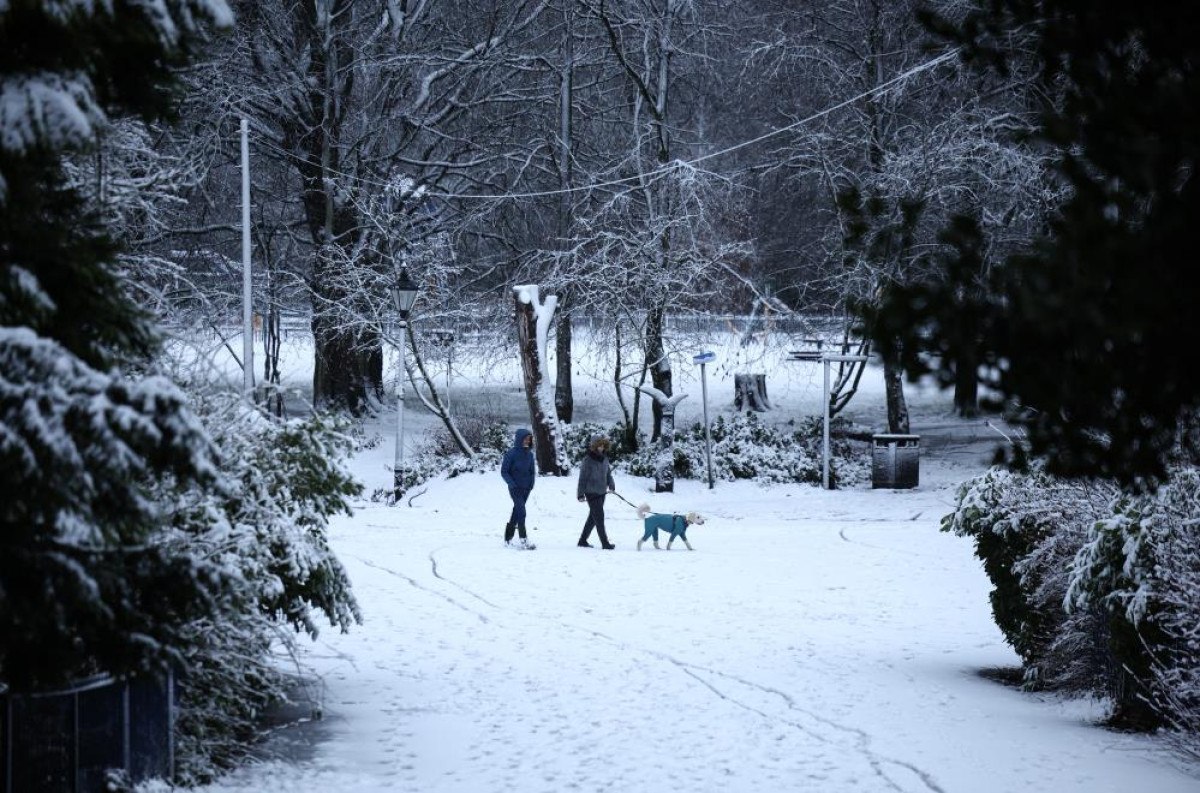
(519, 470)
(595, 481)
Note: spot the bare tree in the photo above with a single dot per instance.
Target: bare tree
(910, 144)
(350, 98)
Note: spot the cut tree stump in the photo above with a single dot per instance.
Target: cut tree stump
(750, 392)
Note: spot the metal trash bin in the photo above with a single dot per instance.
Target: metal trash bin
(895, 461)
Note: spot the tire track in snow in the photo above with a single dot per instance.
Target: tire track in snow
(884, 548)
(440, 577)
(417, 585)
(861, 739)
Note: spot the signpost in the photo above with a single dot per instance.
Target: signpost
(704, 359)
(826, 358)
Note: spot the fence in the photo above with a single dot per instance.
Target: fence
(68, 741)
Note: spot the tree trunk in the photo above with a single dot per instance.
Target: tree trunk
(630, 429)
(545, 444)
(433, 401)
(897, 408)
(348, 368)
(658, 363)
(348, 357)
(966, 386)
(664, 469)
(272, 344)
(564, 399)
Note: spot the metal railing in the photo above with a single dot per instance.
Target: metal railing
(73, 739)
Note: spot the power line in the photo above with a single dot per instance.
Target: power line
(879, 89)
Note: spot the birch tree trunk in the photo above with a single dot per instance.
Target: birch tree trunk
(533, 324)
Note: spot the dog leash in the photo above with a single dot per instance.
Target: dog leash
(627, 501)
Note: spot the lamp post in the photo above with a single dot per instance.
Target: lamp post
(703, 359)
(404, 294)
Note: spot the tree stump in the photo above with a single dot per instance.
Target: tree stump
(750, 392)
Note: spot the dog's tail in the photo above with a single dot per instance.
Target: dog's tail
(642, 509)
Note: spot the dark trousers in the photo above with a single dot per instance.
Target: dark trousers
(595, 518)
(517, 520)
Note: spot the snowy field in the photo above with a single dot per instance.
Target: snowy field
(816, 641)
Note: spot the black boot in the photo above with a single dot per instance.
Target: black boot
(508, 532)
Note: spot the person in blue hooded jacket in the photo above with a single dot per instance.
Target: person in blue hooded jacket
(519, 470)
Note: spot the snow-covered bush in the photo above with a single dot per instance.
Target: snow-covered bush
(268, 533)
(745, 448)
(483, 431)
(1097, 590)
(1174, 585)
(489, 436)
(577, 437)
(84, 584)
(1141, 566)
(1027, 528)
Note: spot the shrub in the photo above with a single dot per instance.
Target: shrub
(745, 448)
(576, 438)
(1174, 685)
(1027, 528)
(1096, 589)
(1142, 567)
(268, 533)
(489, 436)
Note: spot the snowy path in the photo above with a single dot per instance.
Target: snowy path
(813, 641)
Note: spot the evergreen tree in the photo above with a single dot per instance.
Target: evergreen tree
(87, 436)
(1087, 332)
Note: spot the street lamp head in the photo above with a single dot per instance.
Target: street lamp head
(404, 293)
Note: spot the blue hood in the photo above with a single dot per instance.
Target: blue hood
(519, 438)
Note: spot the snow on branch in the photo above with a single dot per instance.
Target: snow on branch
(77, 442)
(667, 402)
(58, 111)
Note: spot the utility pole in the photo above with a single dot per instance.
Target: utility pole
(247, 297)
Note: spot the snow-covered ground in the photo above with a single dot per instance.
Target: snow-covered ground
(821, 641)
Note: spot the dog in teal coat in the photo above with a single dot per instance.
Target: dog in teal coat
(676, 525)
